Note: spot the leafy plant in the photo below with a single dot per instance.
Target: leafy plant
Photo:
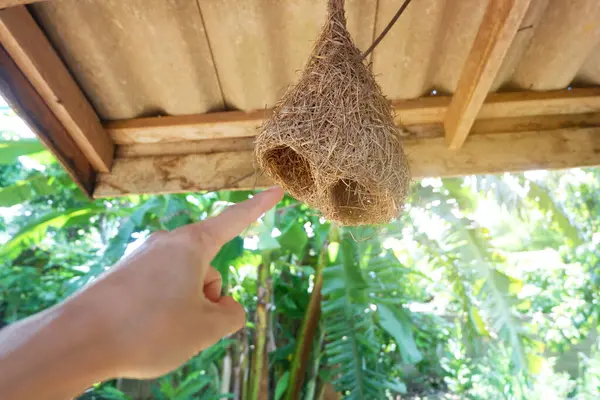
(468, 294)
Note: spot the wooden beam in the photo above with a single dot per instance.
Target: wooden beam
(428, 157)
(419, 131)
(502, 105)
(23, 98)
(559, 102)
(187, 147)
(176, 174)
(14, 3)
(415, 115)
(219, 125)
(500, 24)
(510, 152)
(29, 48)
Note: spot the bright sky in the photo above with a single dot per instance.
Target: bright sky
(11, 128)
(11, 125)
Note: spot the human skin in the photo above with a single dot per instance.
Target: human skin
(152, 311)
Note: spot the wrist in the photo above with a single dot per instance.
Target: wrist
(91, 328)
(55, 354)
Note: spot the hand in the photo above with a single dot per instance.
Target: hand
(151, 312)
(163, 303)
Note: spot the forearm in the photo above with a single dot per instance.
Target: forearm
(55, 354)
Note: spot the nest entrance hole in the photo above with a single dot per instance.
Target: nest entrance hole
(351, 201)
(291, 168)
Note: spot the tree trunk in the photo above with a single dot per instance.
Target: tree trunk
(311, 385)
(240, 366)
(227, 372)
(259, 377)
(306, 336)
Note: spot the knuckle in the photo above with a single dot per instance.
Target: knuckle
(203, 236)
(196, 238)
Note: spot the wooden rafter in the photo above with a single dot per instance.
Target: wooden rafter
(569, 108)
(500, 24)
(513, 132)
(420, 131)
(428, 157)
(23, 98)
(34, 55)
(13, 3)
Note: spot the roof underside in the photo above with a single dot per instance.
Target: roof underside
(138, 58)
(157, 96)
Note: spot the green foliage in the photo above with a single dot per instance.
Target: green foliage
(282, 385)
(228, 253)
(22, 191)
(33, 233)
(561, 221)
(399, 326)
(11, 150)
(467, 295)
(352, 345)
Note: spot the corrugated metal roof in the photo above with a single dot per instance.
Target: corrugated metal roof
(150, 57)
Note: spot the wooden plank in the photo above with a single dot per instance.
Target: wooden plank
(415, 115)
(433, 109)
(221, 125)
(496, 153)
(500, 23)
(435, 130)
(13, 3)
(428, 157)
(502, 125)
(187, 147)
(521, 104)
(180, 174)
(34, 55)
(23, 98)
(535, 123)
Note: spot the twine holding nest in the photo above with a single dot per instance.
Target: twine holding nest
(331, 140)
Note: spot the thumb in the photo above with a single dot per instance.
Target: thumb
(229, 316)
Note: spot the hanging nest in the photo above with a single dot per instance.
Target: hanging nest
(331, 140)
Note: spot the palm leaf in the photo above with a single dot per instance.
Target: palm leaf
(466, 246)
(32, 233)
(352, 346)
(506, 195)
(25, 190)
(11, 150)
(546, 203)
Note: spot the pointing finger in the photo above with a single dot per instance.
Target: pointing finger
(238, 217)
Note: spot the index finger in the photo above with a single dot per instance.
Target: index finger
(238, 217)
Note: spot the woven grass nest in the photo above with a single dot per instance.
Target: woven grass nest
(331, 140)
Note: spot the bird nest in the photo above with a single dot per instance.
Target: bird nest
(331, 140)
